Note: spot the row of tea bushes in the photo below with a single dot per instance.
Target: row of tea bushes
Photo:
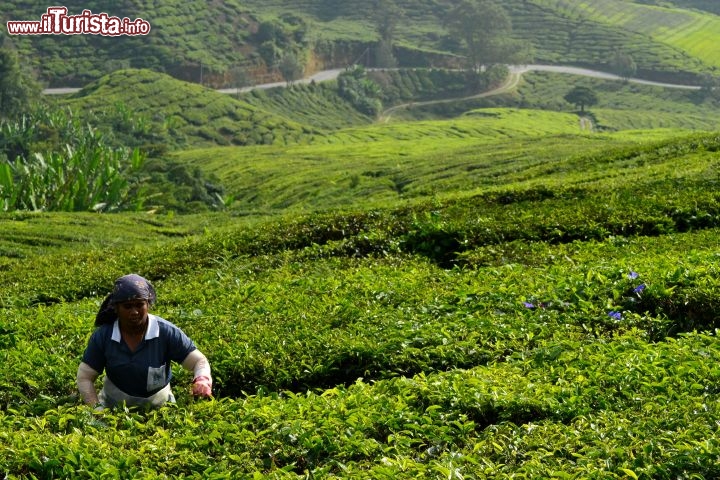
(303, 321)
(623, 407)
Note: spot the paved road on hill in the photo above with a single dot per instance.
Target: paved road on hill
(513, 79)
(317, 77)
(510, 83)
(595, 74)
(515, 70)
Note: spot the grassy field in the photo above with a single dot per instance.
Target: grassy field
(184, 113)
(403, 162)
(622, 106)
(693, 32)
(218, 42)
(434, 298)
(474, 289)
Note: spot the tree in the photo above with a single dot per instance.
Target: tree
(483, 27)
(623, 65)
(709, 85)
(581, 97)
(17, 90)
(273, 31)
(360, 91)
(270, 53)
(290, 67)
(386, 15)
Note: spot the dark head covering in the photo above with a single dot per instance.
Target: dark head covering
(128, 287)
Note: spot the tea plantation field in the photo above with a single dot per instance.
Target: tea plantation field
(553, 318)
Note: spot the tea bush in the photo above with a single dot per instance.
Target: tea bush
(555, 319)
(579, 412)
(485, 371)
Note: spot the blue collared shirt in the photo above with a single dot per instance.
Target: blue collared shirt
(146, 370)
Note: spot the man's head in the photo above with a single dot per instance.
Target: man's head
(133, 287)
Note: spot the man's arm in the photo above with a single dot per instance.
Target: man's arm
(197, 363)
(86, 376)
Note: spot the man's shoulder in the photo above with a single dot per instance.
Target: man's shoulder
(104, 330)
(170, 334)
(165, 325)
(101, 336)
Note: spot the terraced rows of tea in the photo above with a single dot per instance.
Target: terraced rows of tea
(462, 286)
(192, 38)
(691, 31)
(559, 321)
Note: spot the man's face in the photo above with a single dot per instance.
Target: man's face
(132, 313)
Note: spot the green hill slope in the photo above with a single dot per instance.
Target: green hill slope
(696, 33)
(409, 161)
(566, 32)
(184, 113)
(315, 105)
(183, 35)
(578, 326)
(623, 106)
(371, 164)
(220, 43)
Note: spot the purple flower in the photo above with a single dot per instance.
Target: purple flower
(528, 305)
(633, 275)
(639, 288)
(615, 315)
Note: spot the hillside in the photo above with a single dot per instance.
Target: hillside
(401, 161)
(624, 106)
(567, 307)
(471, 286)
(188, 42)
(184, 113)
(183, 35)
(311, 149)
(694, 33)
(457, 148)
(574, 32)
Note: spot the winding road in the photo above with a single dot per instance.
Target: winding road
(515, 70)
(317, 77)
(520, 69)
(513, 79)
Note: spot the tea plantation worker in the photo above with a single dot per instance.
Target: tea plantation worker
(135, 349)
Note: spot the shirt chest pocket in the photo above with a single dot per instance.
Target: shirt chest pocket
(155, 378)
